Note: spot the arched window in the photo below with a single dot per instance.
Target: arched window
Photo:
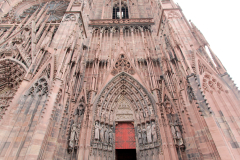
(124, 12)
(116, 12)
(120, 12)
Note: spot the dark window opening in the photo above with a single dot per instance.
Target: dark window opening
(116, 12)
(126, 154)
(125, 13)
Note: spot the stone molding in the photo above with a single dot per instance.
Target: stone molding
(113, 22)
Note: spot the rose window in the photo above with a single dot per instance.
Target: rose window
(55, 10)
(122, 65)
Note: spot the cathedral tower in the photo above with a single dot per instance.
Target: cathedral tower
(111, 80)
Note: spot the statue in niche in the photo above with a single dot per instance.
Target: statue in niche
(154, 132)
(97, 128)
(103, 113)
(141, 114)
(111, 115)
(80, 110)
(172, 129)
(146, 112)
(139, 131)
(102, 133)
(190, 92)
(148, 101)
(98, 111)
(111, 135)
(151, 110)
(106, 134)
(178, 134)
(137, 114)
(149, 133)
(73, 136)
(144, 134)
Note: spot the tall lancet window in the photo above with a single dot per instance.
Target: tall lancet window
(120, 11)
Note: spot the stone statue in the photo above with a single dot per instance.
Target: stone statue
(102, 133)
(139, 135)
(149, 133)
(191, 95)
(151, 109)
(97, 128)
(141, 114)
(136, 114)
(146, 112)
(144, 135)
(110, 136)
(103, 114)
(111, 116)
(178, 135)
(73, 136)
(178, 132)
(173, 129)
(154, 132)
(106, 134)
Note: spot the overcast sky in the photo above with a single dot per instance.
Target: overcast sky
(219, 22)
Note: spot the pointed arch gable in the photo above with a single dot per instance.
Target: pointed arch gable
(203, 66)
(136, 92)
(135, 74)
(50, 62)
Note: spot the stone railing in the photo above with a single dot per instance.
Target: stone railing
(112, 22)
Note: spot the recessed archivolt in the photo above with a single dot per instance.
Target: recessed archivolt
(134, 94)
(124, 99)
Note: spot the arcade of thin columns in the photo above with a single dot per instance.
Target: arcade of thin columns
(97, 60)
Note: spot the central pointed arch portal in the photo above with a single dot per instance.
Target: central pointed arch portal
(124, 118)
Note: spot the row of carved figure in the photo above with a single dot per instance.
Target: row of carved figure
(103, 133)
(176, 133)
(148, 134)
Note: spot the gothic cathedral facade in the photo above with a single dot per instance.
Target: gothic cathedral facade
(111, 80)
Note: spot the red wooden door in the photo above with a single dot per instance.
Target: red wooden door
(125, 136)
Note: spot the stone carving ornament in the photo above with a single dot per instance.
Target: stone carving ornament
(106, 134)
(154, 132)
(121, 65)
(55, 10)
(73, 136)
(110, 135)
(176, 132)
(70, 17)
(97, 128)
(144, 135)
(190, 93)
(102, 132)
(139, 133)
(149, 133)
(211, 84)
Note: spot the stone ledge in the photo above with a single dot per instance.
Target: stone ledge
(112, 22)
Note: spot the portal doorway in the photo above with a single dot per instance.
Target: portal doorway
(126, 154)
(125, 143)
